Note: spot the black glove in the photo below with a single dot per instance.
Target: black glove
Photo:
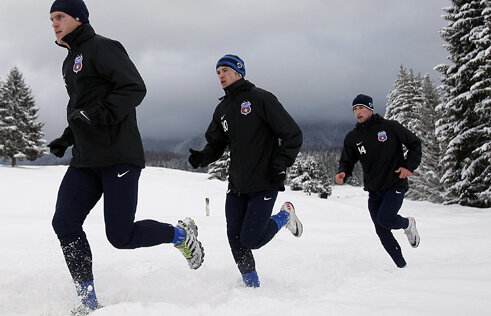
(279, 176)
(58, 147)
(80, 115)
(196, 158)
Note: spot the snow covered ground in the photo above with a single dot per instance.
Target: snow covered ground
(338, 266)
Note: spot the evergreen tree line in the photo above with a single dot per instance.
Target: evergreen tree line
(170, 160)
(312, 172)
(21, 136)
(452, 121)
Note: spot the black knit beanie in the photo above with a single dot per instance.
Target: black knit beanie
(363, 100)
(75, 8)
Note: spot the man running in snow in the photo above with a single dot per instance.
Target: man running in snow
(377, 144)
(104, 89)
(263, 140)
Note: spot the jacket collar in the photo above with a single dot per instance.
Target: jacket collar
(371, 121)
(78, 36)
(239, 85)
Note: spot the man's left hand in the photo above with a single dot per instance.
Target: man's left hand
(404, 173)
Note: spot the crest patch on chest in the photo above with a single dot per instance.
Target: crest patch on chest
(382, 136)
(77, 65)
(245, 107)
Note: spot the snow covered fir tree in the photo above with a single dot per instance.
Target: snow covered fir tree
(309, 174)
(21, 137)
(464, 127)
(219, 169)
(405, 99)
(426, 178)
(412, 103)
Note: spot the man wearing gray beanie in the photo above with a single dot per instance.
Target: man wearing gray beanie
(104, 89)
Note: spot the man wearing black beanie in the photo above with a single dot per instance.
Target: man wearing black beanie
(104, 89)
(377, 144)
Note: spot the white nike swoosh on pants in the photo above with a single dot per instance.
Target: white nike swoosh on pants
(122, 174)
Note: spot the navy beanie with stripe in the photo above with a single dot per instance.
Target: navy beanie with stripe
(233, 62)
(363, 100)
(74, 8)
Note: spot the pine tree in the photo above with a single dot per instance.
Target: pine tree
(464, 127)
(425, 182)
(412, 103)
(397, 95)
(405, 97)
(309, 174)
(20, 135)
(219, 169)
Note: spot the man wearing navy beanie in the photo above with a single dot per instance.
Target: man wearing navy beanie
(104, 89)
(363, 100)
(263, 140)
(377, 144)
(74, 8)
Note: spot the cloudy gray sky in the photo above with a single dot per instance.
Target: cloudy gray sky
(314, 55)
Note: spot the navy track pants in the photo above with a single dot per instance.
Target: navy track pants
(383, 207)
(79, 192)
(249, 225)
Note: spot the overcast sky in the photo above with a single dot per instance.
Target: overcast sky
(314, 55)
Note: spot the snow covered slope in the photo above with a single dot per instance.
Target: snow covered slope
(337, 267)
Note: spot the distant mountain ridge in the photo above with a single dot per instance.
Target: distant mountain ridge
(318, 135)
(324, 134)
(315, 135)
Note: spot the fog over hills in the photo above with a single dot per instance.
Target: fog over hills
(318, 135)
(315, 135)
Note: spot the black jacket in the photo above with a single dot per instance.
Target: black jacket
(377, 144)
(263, 138)
(101, 79)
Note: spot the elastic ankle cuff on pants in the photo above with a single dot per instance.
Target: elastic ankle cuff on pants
(179, 236)
(281, 218)
(86, 293)
(251, 279)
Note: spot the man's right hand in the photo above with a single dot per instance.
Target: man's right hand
(196, 158)
(340, 177)
(58, 147)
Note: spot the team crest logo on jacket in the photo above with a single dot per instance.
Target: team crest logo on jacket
(382, 136)
(77, 65)
(245, 107)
